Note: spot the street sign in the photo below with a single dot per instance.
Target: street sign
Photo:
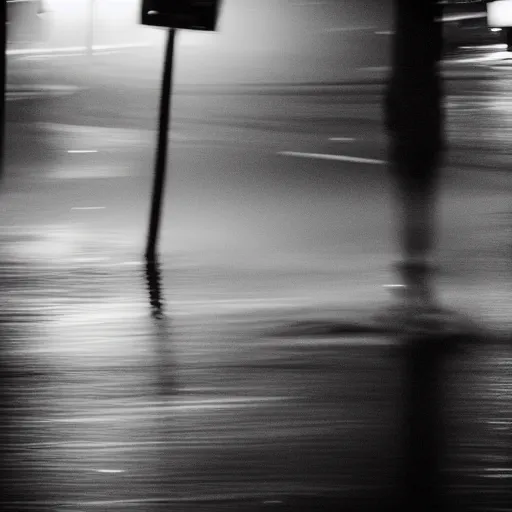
(185, 14)
(171, 14)
(499, 13)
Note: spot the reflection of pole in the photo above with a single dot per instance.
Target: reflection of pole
(166, 371)
(163, 135)
(90, 28)
(425, 436)
(154, 289)
(3, 78)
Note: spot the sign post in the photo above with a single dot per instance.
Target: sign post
(184, 14)
(161, 156)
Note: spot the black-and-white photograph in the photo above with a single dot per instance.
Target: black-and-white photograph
(256, 256)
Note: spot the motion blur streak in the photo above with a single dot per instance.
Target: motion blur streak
(249, 371)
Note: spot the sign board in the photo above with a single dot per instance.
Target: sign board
(185, 14)
(499, 13)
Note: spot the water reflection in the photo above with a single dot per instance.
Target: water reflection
(153, 282)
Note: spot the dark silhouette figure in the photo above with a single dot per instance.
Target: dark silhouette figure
(415, 123)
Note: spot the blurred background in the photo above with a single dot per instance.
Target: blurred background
(278, 208)
(281, 36)
(280, 80)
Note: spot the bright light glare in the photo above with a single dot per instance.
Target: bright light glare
(499, 13)
(123, 14)
(495, 29)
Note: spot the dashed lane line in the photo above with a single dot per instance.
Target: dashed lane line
(337, 158)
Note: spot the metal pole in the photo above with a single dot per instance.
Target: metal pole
(163, 136)
(3, 78)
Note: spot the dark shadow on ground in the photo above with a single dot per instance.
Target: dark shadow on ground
(425, 359)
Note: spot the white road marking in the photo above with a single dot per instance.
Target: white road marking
(394, 286)
(460, 17)
(100, 172)
(337, 158)
(342, 139)
(88, 208)
(109, 470)
(498, 56)
(82, 151)
(346, 29)
(483, 46)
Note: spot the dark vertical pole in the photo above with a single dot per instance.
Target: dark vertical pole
(3, 78)
(161, 159)
(415, 122)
